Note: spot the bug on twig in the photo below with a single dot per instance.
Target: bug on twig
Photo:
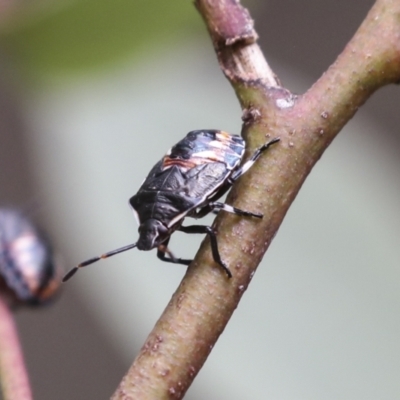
(186, 182)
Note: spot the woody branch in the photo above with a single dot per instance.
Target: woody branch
(199, 310)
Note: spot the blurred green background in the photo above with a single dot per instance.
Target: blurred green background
(69, 37)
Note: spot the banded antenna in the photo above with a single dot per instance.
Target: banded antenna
(92, 260)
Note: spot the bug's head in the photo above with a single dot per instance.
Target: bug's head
(151, 234)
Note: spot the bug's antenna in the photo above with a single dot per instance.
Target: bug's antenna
(92, 260)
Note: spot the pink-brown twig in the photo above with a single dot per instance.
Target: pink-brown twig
(13, 375)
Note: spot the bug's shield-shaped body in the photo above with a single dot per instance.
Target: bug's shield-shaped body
(193, 172)
(27, 268)
(185, 183)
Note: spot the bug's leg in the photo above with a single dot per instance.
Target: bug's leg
(202, 212)
(163, 248)
(213, 239)
(248, 164)
(217, 206)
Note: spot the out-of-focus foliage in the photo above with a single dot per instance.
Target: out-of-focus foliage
(78, 36)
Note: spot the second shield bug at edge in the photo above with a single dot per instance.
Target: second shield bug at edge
(194, 173)
(30, 274)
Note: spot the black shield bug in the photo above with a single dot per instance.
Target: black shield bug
(28, 272)
(185, 183)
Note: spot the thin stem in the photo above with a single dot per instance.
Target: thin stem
(13, 375)
(235, 42)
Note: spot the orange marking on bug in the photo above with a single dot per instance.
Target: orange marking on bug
(224, 136)
(169, 162)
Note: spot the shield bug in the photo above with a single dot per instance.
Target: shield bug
(186, 182)
(29, 275)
